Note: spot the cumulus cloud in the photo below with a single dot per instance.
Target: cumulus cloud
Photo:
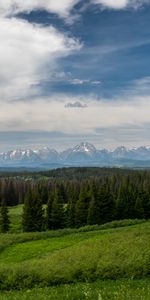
(76, 104)
(28, 54)
(116, 4)
(12, 7)
(77, 81)
(50, 114)
(96, 82)
(120, 4)
(62, 8)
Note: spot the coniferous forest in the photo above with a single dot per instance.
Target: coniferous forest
(72, 198)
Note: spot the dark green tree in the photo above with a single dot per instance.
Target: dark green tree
(145, 196)
(49, 210)
(102, 206)
(82, 204)
(139, 211)
(4, 220)
(93, 212)
(125, 204)
(57, 210)
(33, 214)
(106, 205)
(72, 195)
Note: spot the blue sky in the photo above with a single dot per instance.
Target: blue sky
(74, 71)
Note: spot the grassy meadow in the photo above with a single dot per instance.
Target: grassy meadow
(111, 261)
(98, 290)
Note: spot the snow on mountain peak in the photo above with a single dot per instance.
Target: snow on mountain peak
(84, 154)
(84, 147)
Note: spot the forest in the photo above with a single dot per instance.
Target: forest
(75, 197)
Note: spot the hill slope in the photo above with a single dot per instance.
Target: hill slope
(44, 259)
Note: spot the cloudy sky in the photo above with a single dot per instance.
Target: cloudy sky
(74, 70)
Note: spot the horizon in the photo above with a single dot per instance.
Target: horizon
(73, 71)
(59, 151)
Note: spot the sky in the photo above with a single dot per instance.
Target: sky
(73, 71)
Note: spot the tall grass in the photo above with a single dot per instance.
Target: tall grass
(105, 254)
(14, 237)
(100, 290)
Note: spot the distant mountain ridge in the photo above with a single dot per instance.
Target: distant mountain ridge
(84, 154)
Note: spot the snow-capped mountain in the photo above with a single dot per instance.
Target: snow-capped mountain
(19, 156)
(121, 152)
(142, 153)
(84, 154)
(46, 154)
(84, 147)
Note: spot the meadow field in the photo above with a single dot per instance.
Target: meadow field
(98, 290)
(111, 261)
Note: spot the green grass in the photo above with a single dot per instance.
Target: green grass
(15, 214)
(110, 261)
(99, 290)
(65, 256)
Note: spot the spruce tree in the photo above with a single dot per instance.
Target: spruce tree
(93, 212)
(82, 204)
(72, 199)
(32, 218)
(5, 222)
(49, 210)
(125, 204)
(102, 206)
(146, 204)
(105, 204)
(57, 210)
(139, 211)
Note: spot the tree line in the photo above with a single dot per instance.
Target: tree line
(60, 203)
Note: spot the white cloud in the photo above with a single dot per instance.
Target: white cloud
(28, 55)
(121, 4)
(116, 4)
(50, 114)
(77, 81)
(76, 104)
(60, 7)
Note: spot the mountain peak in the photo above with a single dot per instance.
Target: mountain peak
(84, 147)
(83, 154)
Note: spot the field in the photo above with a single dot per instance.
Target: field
(99, 290)
(96, 262)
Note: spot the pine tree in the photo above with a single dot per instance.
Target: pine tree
(32, 218)
(72, 195)
(106, 205)
(139, 211)
(92, 217)
(49, 210)
(146, 204)
(5, 222)
(57, 211)
(93, 212)
(126, 200)
(82, 204)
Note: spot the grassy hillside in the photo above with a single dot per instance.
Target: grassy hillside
(50, 258)
(106, 262)
(100, 290)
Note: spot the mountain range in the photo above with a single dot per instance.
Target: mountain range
(84, 154)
